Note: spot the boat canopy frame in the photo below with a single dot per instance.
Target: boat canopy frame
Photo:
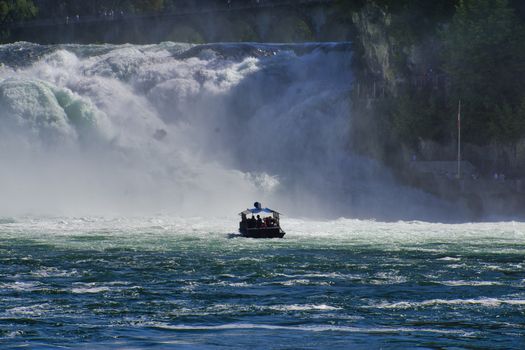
(258, 209)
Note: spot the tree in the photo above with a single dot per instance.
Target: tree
(12, 11)
(184, 33)
(420, 115)
(149, 5)
(243, 31)
(16, 10)
(290, 29)
(485, 61)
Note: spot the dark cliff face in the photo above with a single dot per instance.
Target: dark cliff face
(372, 24)
(391, 51)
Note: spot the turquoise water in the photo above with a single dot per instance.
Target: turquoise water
(161, 282)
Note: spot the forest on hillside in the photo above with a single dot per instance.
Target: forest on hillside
(470, 51)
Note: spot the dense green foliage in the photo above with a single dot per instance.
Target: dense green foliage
(16, 10)
(484, 57)
(477, 57)
(13, 11)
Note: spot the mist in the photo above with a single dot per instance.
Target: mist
(181, 129)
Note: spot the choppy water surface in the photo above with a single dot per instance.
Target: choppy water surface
(165, 282)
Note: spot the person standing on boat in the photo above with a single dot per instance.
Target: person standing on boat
(251, 222)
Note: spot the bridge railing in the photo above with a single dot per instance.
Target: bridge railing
(120, 15)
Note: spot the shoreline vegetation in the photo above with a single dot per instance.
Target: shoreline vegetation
(414, 61)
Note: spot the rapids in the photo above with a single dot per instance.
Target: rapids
(166, 282)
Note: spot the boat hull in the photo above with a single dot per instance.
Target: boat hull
(262, 232)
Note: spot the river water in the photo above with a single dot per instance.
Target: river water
(166, 282)
(123, 168)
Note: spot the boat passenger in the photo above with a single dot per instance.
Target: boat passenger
(251, 222)
(259, 221)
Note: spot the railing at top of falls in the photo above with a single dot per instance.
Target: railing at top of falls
(120, 15)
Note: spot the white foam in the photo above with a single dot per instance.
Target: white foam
(233, 284)
(83, 290)
(482, 302)
(388, 278)
(295, 282)
(449, 258)
(94, 287)
(21, 286)
(317, 328)
(14, 334)
(32, 310)
(305, 307)
(470, 283)
(340, 234)
(54, 272)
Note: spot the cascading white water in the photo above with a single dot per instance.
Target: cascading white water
(176, 128)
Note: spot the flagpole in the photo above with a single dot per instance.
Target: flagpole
(459, 140)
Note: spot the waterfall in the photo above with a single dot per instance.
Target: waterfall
(187, 130)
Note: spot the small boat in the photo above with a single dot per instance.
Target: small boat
(263, 223)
